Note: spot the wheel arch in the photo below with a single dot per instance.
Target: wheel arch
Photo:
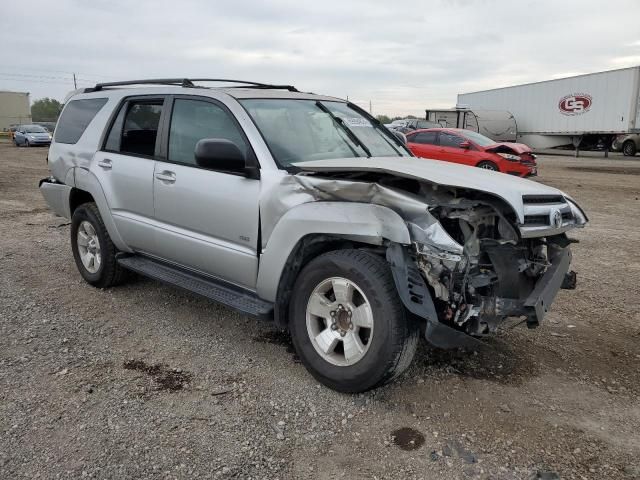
(88, 189)
(309, 230)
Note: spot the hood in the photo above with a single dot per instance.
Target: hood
(38, 134)
(508, 187)
(508, 147)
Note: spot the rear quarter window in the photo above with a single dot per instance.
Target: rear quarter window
(76, 117)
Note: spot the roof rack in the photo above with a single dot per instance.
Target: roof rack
(188, 83)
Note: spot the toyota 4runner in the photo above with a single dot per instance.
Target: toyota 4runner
(303, 209)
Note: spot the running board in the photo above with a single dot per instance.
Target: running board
(237, 298)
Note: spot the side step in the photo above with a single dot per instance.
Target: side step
(243, 301)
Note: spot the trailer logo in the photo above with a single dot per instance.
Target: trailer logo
(575, 104)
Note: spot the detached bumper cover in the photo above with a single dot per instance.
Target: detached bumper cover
(57, 196)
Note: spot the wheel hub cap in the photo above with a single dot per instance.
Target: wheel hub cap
(339, 321)
(89, 247)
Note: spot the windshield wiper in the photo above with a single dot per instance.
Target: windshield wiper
(340, 122)
(383, 130)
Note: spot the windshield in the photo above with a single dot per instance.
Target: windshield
(305, 130)
(34, 129)
(478, 138)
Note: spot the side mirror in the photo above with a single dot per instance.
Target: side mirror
(400, 136)
(466, 145)
(219, 154)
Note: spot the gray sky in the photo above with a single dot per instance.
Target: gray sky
(403, 56)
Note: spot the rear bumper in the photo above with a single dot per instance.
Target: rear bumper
(57, 196)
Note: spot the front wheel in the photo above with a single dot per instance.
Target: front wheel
(93, 250)
(629, 148)
(348, 324)
(487, 165)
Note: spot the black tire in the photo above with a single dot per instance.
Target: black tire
(109, 273)
(394, 339)
(488, 165)
(629, 148)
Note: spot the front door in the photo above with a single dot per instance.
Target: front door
(451, 151)
(207, 219)
(124, 168)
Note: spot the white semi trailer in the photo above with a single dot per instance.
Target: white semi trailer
(585, 111)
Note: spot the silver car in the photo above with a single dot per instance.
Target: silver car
(305, 210)
(627, 144)
(31, 136)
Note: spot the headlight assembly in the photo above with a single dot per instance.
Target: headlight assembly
(509, 156)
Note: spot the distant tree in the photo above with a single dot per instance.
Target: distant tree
(45, 110)
(383, 119)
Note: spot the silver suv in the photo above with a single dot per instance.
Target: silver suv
(304, 209)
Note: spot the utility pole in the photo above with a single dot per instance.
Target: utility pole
(75, 85)
(370, 111)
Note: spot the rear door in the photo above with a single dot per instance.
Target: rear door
(207, 218)
(125, 166)
(424, 144)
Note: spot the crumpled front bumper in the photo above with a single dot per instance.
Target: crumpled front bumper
(416, 297)
(540, 299)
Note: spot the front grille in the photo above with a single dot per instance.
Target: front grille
(536, 220)
(544, 220)
(539, 199)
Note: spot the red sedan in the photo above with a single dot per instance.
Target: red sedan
(471, 148)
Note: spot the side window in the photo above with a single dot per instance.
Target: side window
(76, 118)
(193, 120)
(425, 138)
(449, 140)
(135, 129)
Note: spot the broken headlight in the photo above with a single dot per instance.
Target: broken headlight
(509, 156)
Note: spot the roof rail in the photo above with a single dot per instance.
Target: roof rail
(188, 83)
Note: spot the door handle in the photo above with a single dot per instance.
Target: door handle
(106, 164)
(166, 176)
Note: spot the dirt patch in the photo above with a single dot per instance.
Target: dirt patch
(165, 378)
(497, 362)
(278, 337)
(407, 438)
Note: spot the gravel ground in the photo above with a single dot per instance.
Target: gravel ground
(147, 381)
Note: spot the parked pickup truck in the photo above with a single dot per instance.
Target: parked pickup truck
(304, 209)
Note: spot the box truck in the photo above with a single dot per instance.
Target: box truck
(586, 111)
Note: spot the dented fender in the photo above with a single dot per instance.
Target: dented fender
(362, 222)
(87, 181)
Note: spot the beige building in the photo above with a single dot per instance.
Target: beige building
(15, 108)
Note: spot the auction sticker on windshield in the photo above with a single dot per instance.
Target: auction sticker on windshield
(357, 122)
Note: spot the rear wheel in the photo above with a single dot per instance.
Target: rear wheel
(93, 250)
(488, 165)
(629, 148)
(348, 324)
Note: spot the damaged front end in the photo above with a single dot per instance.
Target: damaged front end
(485, 273)
(473, 259)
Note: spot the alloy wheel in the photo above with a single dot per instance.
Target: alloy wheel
(89, 247)
(339, 321)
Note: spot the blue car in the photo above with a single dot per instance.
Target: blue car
(31, 135)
